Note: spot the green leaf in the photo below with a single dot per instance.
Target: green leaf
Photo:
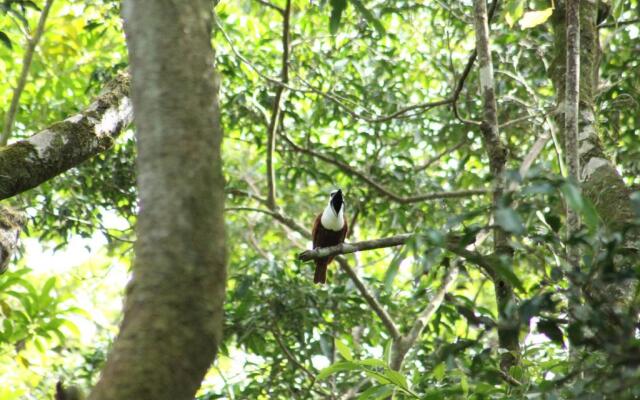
(376, 392)
(439, 372)
(515, 9)
(344, 351)
(572, 195)
(590, 215)
(464, 384)
(373, 362)
(337, 7)
(396, 378)
(553, 221)
(507, 273)
(5, 39)
(535, 18)
(392, 270)
(340, 366)
(509, 220)
(48, 285)
(368, 16)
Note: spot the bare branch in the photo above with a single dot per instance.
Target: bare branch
(465, 74)
(284, 220)
(276, 334)
(406, 342)
(387, 321)
(452, 244)
(346, 248)
(381, 189)
(572, 97)
(24, 73)
(383, 118)
(438, 156)
(620, 23)
(508, 336)
(272, 6)
(278, 101)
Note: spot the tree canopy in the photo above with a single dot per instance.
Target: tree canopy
(487, 151)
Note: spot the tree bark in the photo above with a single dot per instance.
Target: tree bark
(601, 183)
(63, 145)
(508, 326)
(173, 309)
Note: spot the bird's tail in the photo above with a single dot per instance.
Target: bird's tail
(320, 275)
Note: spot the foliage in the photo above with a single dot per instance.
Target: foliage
(352, 64)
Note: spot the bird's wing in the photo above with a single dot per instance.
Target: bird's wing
(345, 230)
(314, 231)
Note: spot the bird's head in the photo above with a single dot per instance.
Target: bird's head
(336, 202)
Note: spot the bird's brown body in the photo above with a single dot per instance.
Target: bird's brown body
(325, 237)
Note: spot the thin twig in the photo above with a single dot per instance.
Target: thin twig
(440, 155)
(24, 73)
(375, 305)
(278, 101)
(402, 346)
(620, 23)
(381, 189)
(465, 74)
(276, 334)
(272, 6)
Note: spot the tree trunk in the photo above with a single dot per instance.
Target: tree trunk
(173, 309)
(600, 181)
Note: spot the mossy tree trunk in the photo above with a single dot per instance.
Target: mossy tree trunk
(173, 309)
(600, 181)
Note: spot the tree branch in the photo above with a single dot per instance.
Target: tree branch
(24, 73)
(346, 248)
(452, 244)
(438, 156)
(11, 223)
(381, 189)
(508, 334)
(278, 101)
(63, 145)
(272, 6)
(402, 346)
(572, 96)
(375, 305)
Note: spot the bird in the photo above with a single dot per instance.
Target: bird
(329, 229)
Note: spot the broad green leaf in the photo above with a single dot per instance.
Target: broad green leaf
(573, 196)
(535, 18)
(392, 270)
(372, 362)
(340, 366)
(509, 220)
(514, 11)
(344, 350)
(5, 40)
(396, 378)
(337, 8)
(46, 289)
(506, 272)
(376, 392)
(439, 372)
(464, 384)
